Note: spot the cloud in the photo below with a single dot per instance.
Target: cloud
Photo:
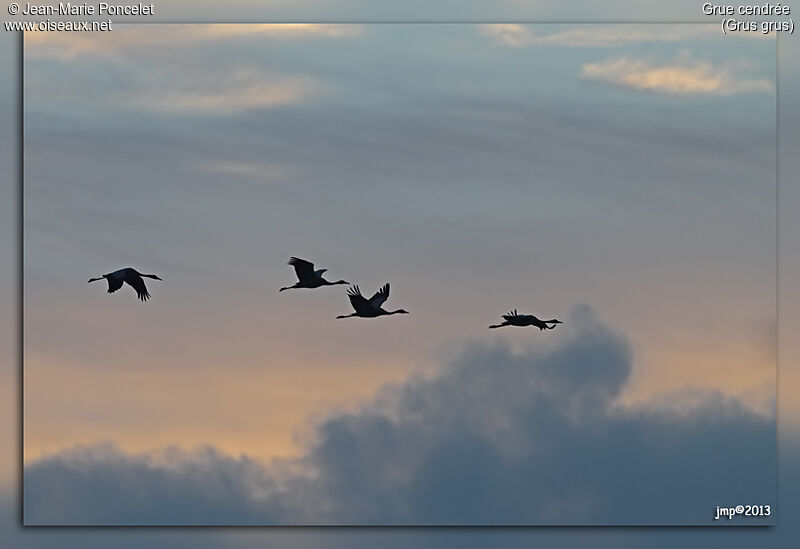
(241, 89)
(682, 76)
(532, 436)
(285, 30)
(261, 170)
(137, 38)
(165, 68)
(598, 36)
(440, 538)
(198, 487)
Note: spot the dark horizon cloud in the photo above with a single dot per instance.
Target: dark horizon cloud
(433, 538)
(499, 436)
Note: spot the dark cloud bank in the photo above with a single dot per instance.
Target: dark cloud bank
(498, 437)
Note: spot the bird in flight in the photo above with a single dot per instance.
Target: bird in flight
(307, 277)
(370, 308)
(132, 277)
(515, 319)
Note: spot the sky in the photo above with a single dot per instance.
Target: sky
(338, 11)
(588, 172)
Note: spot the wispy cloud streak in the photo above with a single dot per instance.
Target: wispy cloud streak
(240, 89)
(682, 76)
(598, 36)
(67, 46)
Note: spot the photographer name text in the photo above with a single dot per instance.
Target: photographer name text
(84, 8)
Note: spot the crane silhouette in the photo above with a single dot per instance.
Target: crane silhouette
(370, 308)
(307, 277)
(132, 277)
(515, 319)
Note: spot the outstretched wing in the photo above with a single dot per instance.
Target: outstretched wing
(511, 315)
(303, 268)
(138, 284)
(114, 284)
(380, 297)
(358, 301)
